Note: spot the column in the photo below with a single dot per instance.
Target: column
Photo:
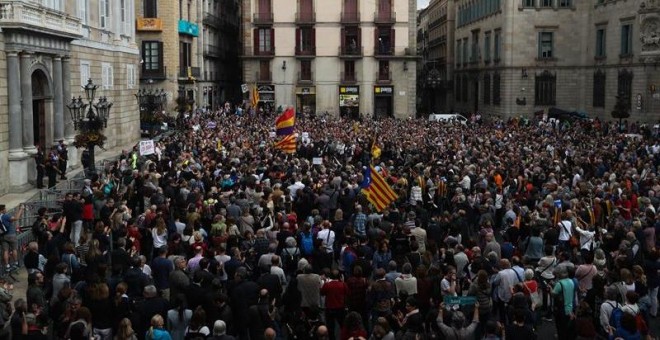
(58, 114)
(14, 102)
(66, 97)
(26, 94)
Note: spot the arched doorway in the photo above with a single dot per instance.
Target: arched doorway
(40, 96)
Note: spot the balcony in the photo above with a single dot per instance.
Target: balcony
(160, 74)
(350, 18)
(305, 77)
(264, 77)
(351, 52)
(212, 20)
(383, 51)
(212, 51)
(31, 16)
(348, 78)
(306, 51)
(384, 77)
(305, 18)
(258, 54)
(384, 18)
(262, 18)
(189, 72)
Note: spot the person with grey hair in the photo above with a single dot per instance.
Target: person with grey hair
(392, 272)
(406, 282)
(309, 285)
(220, 331)
(606, 308)
(289, 256)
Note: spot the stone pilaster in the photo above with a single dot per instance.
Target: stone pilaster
(58, 102)
(14, 103)
(26, 106)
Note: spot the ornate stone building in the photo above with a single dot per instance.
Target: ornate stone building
(523, 56)
(343, 57)
(51, 48)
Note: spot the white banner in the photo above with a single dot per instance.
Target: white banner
(147, 147)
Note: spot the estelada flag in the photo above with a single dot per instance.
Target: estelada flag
(285, 122)
(376, 189)
(255, 96)
(287, 144)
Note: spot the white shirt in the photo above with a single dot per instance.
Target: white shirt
(328, 238)
(565, 230)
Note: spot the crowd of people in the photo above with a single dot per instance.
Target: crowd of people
(498, 227)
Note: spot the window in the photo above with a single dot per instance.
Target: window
(487, 89)
(496, 89)
(54, 4)
(264, 41)
(457, 84)
(305, 41)
(544, 90)
(458, 52)
(626, 40)
(180, 9)
(383, 70)
(497, 45)
(185, 57)
(565, 3)
(487, 47)
(82, 11)
(600, 43)
(529, 3)
(466, 55)
(150, 8)
(152, 55)
(349, 70)
(264, 70)
(107, 76)
(474, 57)
(545, 45)
(104, 13)
(599, 89)
(624, 86)
(464, 88)
(546, 3)
(305, 70)
(85, 74)
(126, 14)
(130, 76)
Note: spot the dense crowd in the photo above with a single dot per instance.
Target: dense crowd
(497, 226)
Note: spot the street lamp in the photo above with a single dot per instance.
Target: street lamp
(89, 124)
(433, 80)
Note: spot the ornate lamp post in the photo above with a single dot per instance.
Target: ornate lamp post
(151, 103)
(89, 120)
(433, 80)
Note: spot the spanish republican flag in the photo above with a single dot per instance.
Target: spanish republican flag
(376, 189)
(285, 122)
(287, 144)
(375, 150)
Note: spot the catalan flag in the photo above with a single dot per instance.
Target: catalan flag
(375, 150)
(255, 96)
(287, 144)
(376, 189)
(285, 122)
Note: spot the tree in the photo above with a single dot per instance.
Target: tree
(621, 109)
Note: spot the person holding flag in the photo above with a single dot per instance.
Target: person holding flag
(376, 189)
(284, 126)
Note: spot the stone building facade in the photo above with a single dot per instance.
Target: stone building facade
(437, 63)
(519, 57)
(50, 49)
(340, 57)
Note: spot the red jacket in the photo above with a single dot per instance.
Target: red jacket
(335, 292)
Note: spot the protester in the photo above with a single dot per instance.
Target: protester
(225, 236)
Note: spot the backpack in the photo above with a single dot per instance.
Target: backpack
(616, 316)
(307, 243)
(641, 324)
(290, 261)
(348, 259)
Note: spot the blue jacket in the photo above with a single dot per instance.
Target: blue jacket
(158, 334)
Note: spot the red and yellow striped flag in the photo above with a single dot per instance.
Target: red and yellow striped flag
(376, 189)
(287, 144)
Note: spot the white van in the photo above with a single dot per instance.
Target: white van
(448, 118)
